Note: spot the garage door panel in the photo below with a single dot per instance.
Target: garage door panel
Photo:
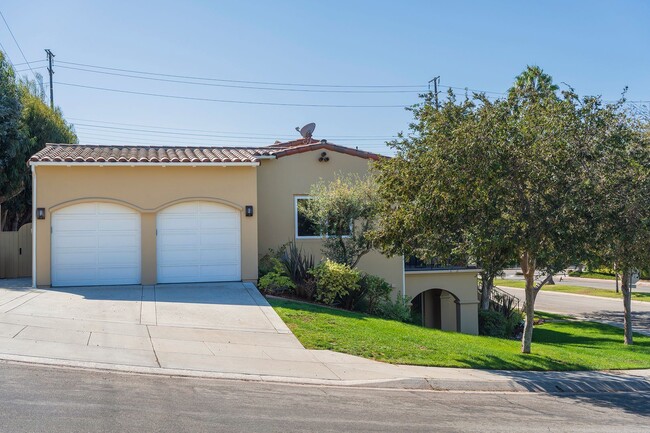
(119, 240)
(118, 258)
(198, 242)
(178, 222)
(220, 221)
(178, 239)
(228, 238)
(76, 240)
(118, 225)
(95, 244)
(172, 258)
(79, 257)
(76, 223)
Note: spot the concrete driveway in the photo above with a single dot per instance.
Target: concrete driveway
(225, 327)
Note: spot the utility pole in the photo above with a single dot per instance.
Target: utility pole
(50, 56)
(435, 82)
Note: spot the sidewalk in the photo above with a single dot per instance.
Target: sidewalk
(229, 333)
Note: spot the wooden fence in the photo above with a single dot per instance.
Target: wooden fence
(16, 253)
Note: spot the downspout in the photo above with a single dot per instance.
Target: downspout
(403, 278)
(33, 226)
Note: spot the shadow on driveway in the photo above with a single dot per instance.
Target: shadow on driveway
(222, 293)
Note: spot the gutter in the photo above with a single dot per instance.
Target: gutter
(34, 204)
(150, 164)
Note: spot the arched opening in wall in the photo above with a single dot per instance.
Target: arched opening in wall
(437, 308)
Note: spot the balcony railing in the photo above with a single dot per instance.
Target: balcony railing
(415, 264)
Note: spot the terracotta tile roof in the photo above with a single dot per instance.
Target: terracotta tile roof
(83, 153)
(147, 154)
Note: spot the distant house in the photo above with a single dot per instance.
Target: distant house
(108, 215)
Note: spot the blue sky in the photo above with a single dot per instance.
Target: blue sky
(598, 47)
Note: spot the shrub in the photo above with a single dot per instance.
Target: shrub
(268, 261)
(491, 323)
(515, 325)
(299, 265)
(334, 281)
(276, 281)
(375, 290)
(399, 310)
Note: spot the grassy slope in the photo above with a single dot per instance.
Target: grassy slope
(561, 345)
(578, 290)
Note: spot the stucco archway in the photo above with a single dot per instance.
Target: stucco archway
(439, 309)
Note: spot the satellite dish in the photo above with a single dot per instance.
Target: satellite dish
(307, 130)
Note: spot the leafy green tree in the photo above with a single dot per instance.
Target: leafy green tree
(31, 125)
(11, 138)
(507, 177)
(622, 173)
(343, 211)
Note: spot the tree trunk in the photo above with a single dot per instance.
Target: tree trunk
(528, 269)
(487, 282)
(550, 280)
(627, 306)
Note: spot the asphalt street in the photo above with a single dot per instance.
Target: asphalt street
(642, 286)
(607, 310)
(43, 399)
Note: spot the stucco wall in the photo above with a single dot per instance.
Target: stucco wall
(462, 284)
(280, 180)
(147, 189)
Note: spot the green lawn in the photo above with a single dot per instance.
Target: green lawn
(578, 290)
(558, 345)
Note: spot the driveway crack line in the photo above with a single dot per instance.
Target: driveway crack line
(89, 335)
(153, 348)
(23, 303)
(24, 327)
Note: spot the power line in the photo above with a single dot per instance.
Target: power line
(235, 86)
(228, 101)
(31, 63)
(17, 44)
(135, 140)
(262, 135)
(240, 81)
(153, 131)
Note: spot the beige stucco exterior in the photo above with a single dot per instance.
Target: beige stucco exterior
(459, 299)
(280, 180)
(271, 188)
(147, 189)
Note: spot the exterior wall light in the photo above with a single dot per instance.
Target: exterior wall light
(40, 213)
(249, 211)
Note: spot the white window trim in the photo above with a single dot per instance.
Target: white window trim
(295, 219)
(295, 216)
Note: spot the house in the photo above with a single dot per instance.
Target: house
(107, 215)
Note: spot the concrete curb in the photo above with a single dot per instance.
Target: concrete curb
(569, 382)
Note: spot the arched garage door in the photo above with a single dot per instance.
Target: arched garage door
(198, 242)
(95, 244)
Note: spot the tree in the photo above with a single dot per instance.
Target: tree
(622, 174)
(506, 176)
(343, 211)
(11, 138)
(27, 125)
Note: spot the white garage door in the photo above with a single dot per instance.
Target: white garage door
(198, 242)
(95, 244)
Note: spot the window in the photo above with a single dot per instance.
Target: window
(306, 228)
